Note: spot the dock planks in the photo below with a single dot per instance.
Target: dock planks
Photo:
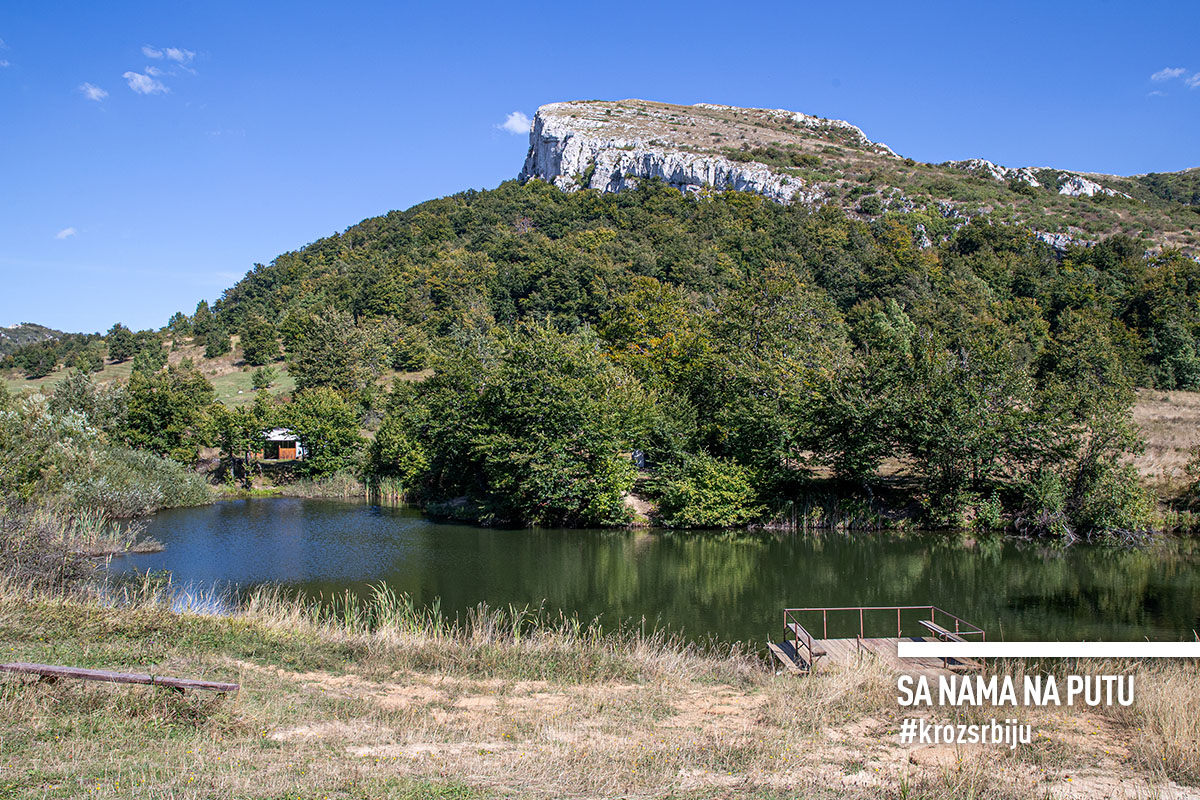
(845, 652)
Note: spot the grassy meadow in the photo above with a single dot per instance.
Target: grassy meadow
(383, 700)
(230, 378)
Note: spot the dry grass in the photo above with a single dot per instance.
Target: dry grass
(232, 380)
(17, 383)
(1170, 424)
(385, 699)
(1166, 716)
(91, 533)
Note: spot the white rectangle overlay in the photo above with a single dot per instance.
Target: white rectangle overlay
(1048, 649)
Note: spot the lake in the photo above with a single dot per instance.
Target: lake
(729, 586)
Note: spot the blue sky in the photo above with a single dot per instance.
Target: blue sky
(150, 154)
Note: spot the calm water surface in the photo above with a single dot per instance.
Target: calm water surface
(733, 587)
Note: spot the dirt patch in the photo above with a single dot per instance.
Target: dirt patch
(340, 731)
(539, 739)
(716, 707)
(418, 749)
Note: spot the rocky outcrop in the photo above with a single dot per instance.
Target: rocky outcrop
(13, 337)
(1078, 186)
(1069, 184)
(995, 171)
(787, 156)
(611, 146)
(571, 159)
(574, 153)
(1062, 241)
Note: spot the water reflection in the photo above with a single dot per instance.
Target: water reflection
(730, 586)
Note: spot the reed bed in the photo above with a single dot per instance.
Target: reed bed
(339, 485)
(515, 642)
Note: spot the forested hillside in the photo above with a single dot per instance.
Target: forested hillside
(731, 359)
(740, 344)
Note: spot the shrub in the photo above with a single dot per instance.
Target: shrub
(1022, 187)
(260, 344)
(871, 205)
(709, 492)
(1176, 364)
(1045, 505)
(89, 359)
(217, 344)
(121, 343)
(126, 483)
(263, 377)
(989, 513)
(1105, 501)
(1113, 503)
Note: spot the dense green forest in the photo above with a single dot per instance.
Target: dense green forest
(759, 363)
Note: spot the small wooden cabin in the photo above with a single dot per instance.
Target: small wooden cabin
(282, 444)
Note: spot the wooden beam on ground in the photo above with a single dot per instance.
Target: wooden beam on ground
(54, 671)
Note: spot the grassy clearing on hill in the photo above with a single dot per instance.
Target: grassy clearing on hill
(386, 700)
(231, 379)
(1170, 424)
(17, 383)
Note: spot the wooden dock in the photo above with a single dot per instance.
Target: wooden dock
(800, 652)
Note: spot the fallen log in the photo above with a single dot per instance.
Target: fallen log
(54, 672)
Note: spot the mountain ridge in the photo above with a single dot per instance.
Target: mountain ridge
(14, 337)
(791, 156)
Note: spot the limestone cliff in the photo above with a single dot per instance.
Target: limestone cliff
(609, 146)
(791, 157)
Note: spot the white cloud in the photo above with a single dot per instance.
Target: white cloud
(92, 92)
(65, 233)
(155, 71)
(1157, 93)
(516, 122)
(177, 54)
(1194, 81)
(3, 63)
(1167, 73)
(144, 84)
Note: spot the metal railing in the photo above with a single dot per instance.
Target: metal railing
(792, 616)
(802, 637)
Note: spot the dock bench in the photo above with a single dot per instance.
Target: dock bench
(942, 633)
(801, 651)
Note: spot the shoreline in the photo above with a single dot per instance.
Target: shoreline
(896, 525)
